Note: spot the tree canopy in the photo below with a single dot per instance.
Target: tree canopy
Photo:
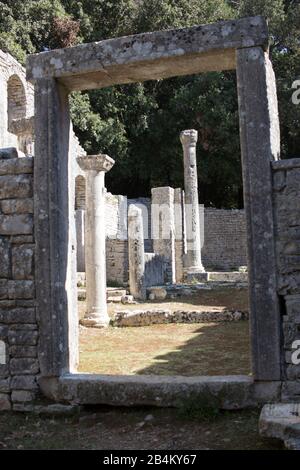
(139, 124)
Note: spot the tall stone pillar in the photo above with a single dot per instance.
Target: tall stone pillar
(95, 167)
(136, 254)
(193, 263)
(163, 228)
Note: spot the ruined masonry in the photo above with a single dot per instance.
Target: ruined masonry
(38, 320)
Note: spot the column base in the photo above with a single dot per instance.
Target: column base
(195, 274)
(94, 322)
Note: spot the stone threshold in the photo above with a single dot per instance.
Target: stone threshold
(225, 392)
(281, 421)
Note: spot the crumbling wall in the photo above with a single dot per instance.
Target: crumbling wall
(286, 188)
(18, 322)
(16, 101)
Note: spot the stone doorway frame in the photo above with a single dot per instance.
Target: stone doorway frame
(241, 45)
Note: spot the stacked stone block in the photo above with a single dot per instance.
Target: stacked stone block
(286, 186)
(18, 322)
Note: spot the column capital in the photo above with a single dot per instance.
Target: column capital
(99, 162)
(189, 137)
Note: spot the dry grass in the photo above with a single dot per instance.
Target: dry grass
(171, 349)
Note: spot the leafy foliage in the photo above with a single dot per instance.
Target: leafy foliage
(139, 124)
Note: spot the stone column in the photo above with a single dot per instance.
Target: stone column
(95, 167)
(180, 244)
(163, 228)
(136, 254)
(193, 263)
(79, 220)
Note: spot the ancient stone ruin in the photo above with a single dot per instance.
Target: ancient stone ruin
(38, 242)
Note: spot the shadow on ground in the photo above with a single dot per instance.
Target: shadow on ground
(170, 349)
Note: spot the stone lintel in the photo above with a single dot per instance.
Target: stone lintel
(99, 162)
(146, 56)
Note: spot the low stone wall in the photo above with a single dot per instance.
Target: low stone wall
(224, 243)
(18, 322)
(158, 316)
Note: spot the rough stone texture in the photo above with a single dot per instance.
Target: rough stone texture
(5, 404)
(192, 258)
(79, 218)
(23, 261)
(180, 232)
(15, 224)
(136, 253)
(224, 236)
(155, 269)
(260, 144)
(163, 228)
(150, 56)
(15, 186)
(225, 239)
(54, 187)
(281, 421)
(16, 99)
(18, 320)
(287, 210)
(154, 55)
(226, 392)
(95, 167)
(17, 206)
(156, 316)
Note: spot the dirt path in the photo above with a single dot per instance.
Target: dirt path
(134, 429)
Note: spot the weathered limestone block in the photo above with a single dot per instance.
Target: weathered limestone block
(26, 303)
(10, 152)
(163, 228)
(260, 145)
(4, 385)
(17, 206)
(290, 391)
(16, 224)
(4, 371)
(22, 396)
(136, 254)
(18, 315)
(3, 332)
(21, 289)
(281, 421)
(293, 306)
(293, 180)
(23, 351)
(23, 262)
(16, 166)
(159, 54)
(3, 289)
(5, 404)
(22, 338)
(279, 180)
(4, 257)
(24, 366)
(293, 372)
(21, 239)
(23, 382)
(290, 334)
(15, 186)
